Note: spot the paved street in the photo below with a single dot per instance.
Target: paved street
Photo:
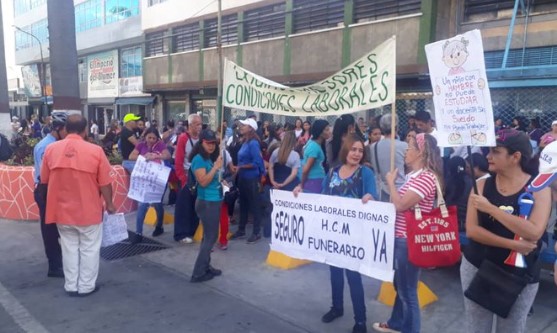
(152, 293)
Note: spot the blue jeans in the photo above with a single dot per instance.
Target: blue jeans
(406, 311)
(128, 165)
(356, 292)
(142, 209)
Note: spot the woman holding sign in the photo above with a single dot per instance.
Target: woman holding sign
(424, 164)
(350, 180)
(153, 149)
(505, 225)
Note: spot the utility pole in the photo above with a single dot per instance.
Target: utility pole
(63, 55)
(5, 121)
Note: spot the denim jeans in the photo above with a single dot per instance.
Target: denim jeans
(356, 292)
(406, 311)
(142, 209)
(250, 202)
(128, 165)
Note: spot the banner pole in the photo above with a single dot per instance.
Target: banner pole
(393, 134)
(220, 108)
(471, 161)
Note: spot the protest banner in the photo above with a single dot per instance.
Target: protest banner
(463, 110)
(367, 83)
(148, 181)
(337, 231)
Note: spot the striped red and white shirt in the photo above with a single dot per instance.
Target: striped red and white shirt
(421, 182)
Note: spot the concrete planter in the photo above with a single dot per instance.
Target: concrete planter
(17, 186)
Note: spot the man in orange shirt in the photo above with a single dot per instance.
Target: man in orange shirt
(78, 178)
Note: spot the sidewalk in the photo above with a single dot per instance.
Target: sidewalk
(249, 291)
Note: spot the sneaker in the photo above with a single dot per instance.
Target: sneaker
(214, 271)
(136, 239)
(332, 315)
(205, 277)
(254, 238)
(158, 232)
(223, 247)
(238, 234)
(359, 328)
(186, 240)
(383, 327)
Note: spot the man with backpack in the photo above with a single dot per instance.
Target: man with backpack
(185, 218)
(49, 232)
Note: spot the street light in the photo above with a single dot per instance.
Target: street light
(42, 76)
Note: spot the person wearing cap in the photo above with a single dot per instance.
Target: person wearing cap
(549, 136)
(250, 170)
(493, 220)
(128, 140)
(49, 232)
(206, 163)
(312, 172)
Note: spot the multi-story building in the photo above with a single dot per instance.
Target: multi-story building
(109, 44)
(296, 42)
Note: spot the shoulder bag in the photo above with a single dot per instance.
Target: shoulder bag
(433, 239)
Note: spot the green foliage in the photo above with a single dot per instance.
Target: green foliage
(23, 152)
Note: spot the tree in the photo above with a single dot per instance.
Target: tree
(4, 100)
(63, 55)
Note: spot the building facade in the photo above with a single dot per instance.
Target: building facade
(109, 44)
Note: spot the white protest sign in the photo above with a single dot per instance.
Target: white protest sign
(367, 83)
(148, 181)
(115, 229)
(338, 231)
(463, 110)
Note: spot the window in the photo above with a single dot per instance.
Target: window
(88, 15)
(154, 44)
(529, 57)
(186, 37)
(229, 31)
(131, 62)
(265, 22)
(365, 10)
(117, 10)
(39, 29)
(491, 9)
(154, 2)
(311, 15)
(23, 6)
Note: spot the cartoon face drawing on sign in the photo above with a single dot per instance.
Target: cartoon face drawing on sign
(478, 137)
(455, 54)
(455, 138)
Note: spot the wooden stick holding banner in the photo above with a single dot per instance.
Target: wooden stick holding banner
(393, 134)
(473, 174)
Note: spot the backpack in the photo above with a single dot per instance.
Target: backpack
(6, 150)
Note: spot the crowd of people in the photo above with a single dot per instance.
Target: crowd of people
(251, 157)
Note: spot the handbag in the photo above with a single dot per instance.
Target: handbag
(192, 183)
(433, 239)
(495, 289)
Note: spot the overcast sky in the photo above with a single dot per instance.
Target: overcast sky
(7, 13)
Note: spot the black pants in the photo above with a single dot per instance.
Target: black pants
(185, 217)
(50, 235)
(250, 202)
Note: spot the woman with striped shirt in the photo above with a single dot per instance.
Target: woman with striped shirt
(424, 164)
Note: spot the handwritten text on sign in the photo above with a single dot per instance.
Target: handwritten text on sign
(367, 83)
(463, 110)
(337, 231)
(148, 181)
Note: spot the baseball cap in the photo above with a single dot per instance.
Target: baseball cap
(554, 123)
(130, 117)
(250, 122)
(548, 168)
(515, 141)
(208, 136)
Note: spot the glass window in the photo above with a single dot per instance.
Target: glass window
(154, 44)
(38, 29)
(154, 2)
(365, 10)
(37, 3)
(176, 110)
(229, 30)
(88, 15)
(23, 6)
(311, 15)
(131, 62)
(117, 10)
(265, 22)
(186, 37)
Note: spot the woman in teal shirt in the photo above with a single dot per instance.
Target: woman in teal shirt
(312, 171)
(206, 162)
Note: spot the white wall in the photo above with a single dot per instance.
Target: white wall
(173, 11)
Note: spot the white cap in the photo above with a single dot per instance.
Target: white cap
(548, 168)
(554, 123)
(250, 122)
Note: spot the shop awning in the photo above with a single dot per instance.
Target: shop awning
(146, 100)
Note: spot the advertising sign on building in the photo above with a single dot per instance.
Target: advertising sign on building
(367, 83)
(31, 80)
(131, 86)
(102, 75)
(463, 110)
